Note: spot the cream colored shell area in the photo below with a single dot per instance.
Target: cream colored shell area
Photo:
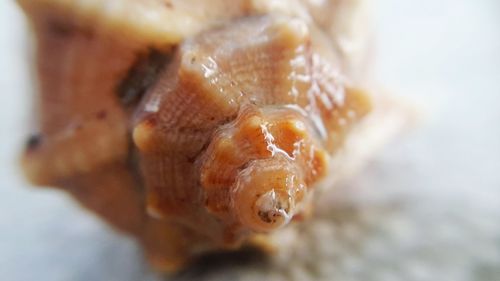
(163, 22)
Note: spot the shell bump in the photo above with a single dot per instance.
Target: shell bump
(191, 132)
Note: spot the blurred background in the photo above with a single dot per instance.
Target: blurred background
(427, 208)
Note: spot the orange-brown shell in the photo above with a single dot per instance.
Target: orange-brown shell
(192, 146)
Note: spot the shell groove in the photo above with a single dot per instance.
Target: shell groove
(192, 138)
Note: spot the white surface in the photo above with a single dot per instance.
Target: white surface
(443, 54)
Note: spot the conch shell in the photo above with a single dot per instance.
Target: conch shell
(191, 125)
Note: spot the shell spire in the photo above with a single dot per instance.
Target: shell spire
(238, 128)
(191, 125)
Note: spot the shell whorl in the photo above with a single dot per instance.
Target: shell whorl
(263, 184)
(239, 127)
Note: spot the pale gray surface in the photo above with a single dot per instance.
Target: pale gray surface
(427, 209)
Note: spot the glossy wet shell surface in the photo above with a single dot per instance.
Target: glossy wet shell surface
(192, 146)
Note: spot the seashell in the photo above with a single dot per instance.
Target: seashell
(192, 129)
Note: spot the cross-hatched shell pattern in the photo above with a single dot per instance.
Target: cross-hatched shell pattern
(193, 146)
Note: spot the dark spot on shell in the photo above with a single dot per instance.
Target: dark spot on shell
(141, 76)
(169, 4)
(33, 142)
(264, 216)
(101, 115)
(278, 205)
(61, 29)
